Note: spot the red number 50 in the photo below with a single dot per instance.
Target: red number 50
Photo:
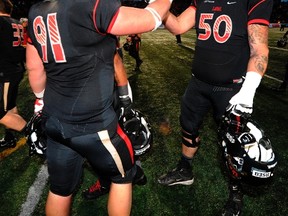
(207, 28)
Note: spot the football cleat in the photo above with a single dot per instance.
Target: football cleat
(181, 175)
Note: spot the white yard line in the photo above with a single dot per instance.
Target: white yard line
(35, 192)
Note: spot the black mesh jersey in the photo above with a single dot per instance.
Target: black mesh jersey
(12, 53)
(222, 49)
(73, 41)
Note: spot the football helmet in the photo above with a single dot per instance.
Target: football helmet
(126, 46)
(282, 42)
(139, 132)
(248, 153)
(36, 138)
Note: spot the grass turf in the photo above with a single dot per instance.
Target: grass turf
(157, 91)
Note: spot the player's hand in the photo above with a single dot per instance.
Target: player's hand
(242, 102)
(38, 105)
(235, 118)
(126, 107)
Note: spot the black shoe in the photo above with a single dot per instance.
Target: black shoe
(182, 174)
(140, 178)
(10, 143)
(234, 204)
(95, 191)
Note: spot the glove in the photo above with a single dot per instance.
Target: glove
(242, 102)
(38, 105)
(125, 98)
(126, 107)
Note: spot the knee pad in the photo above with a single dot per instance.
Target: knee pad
(191, 137)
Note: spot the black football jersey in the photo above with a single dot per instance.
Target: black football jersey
(72, 39)
(222, 50)
(12, 53)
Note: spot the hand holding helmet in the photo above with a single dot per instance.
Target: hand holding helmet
(248, 154)
(242, 102)
(125, 99)
(139, 132)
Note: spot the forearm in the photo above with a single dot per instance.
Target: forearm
(120, 72)
(259, 51)
(135, 20)
(182, 23)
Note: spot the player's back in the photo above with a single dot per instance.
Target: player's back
(12, 53)
(71, 39)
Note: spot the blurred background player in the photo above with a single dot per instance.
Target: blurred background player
(134, 41)
(12, 57)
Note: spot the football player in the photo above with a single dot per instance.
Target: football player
(124, 101)
(12, 57)
(134, 41)
(69, 58)
(230, 59)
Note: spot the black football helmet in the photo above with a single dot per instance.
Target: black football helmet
(248, 153)
(282, 42)
(139, 132)
(36, 138)
(126, 46)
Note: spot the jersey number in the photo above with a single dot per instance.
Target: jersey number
(17, 34)
(40, 31)
(208, 31)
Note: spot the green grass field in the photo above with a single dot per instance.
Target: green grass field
(157, 90)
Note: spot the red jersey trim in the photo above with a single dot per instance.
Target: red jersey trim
(259, 21)
(94, 18)
(127, 141)
(113, 21)
(255, 6)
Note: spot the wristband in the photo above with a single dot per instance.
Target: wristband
(123, 91)
(252, 81)
(156, 16)
(155, 0)
(39, 94)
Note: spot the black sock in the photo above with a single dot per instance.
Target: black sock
(186, 159)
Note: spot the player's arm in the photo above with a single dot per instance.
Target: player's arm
(242, 102)
(35, 68)
(132, 20)
(182, 23)
(120, 72)
(36, 75)
(259, 51)
(123, 87)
